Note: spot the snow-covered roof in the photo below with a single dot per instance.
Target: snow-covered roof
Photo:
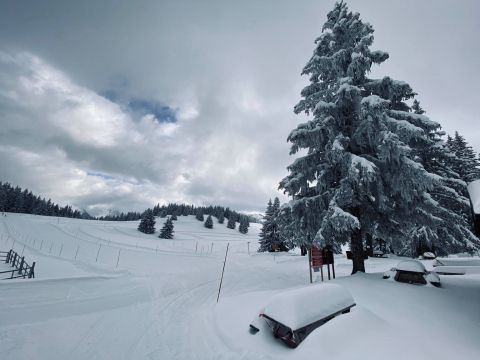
(411, 265)
(474, 191)
(299, 307)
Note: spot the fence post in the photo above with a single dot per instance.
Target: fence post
(118, 258)
(98, 253)
(14, 259)
(9, 254)
(223, 270)
(60, 253)
(31, 274)
(23, 249)
(21, 266)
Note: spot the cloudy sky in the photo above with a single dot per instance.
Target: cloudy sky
(123, 104)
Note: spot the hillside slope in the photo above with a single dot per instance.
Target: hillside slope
(160, 301)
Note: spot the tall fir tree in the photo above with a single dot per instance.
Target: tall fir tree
(199, 215)
(244, 224)
(167, 230)
(231, 221)
(449, 196)
(221, 216)
(360, 175)
(287, 231)
(147, 224)
(209, 222)
(466, 162)
(265, 241)
(270, 239)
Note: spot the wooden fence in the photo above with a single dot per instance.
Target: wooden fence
(20, 267)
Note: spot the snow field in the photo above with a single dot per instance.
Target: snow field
(160, 302)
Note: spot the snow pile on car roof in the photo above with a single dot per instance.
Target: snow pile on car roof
(474, 191)
(411, 265)
(300, 307)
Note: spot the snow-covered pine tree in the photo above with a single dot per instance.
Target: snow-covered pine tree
(269, 235)
(174, 217)
(264, 237)
(244, 224)
(450, 199)
(163, 214)
(231, 221)
(167, 229)
(287, 231)
(199, 215)
(147, 224)
(221, 216)
(466, 164)
(359, 175)
(209, 222)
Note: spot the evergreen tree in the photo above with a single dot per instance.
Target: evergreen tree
(199, 215)
(269, 234)
(231, 221)
(287, 231)
(449, 196)
(244, 224)
(465, 162)
(227, 213)
(174, 217)
(167, 229)
(221, 216)
(209, 222)
(147, 224)
(359, 175)
(163, 214)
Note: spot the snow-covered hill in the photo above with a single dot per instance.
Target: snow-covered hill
(159, 302)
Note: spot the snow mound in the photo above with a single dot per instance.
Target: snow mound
(470, 261)
(411, 265)
(297, 308)
(474, 191)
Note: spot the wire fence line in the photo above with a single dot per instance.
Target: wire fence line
(78, 246)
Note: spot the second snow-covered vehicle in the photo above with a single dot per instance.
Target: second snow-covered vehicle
(412, 272)
(293, 314)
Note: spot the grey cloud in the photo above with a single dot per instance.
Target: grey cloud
(232, 69)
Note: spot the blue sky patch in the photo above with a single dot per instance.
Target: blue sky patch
(100, 175)
(141, 107)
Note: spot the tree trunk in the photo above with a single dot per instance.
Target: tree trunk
(356, 246)
(303, 250)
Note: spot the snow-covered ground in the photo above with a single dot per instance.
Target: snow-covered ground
(159, 302)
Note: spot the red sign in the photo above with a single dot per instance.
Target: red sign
(317, 257)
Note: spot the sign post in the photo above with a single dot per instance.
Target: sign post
(316, 260)
(310, 264)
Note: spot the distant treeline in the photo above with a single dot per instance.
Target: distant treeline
(16, 200)
(180, 210)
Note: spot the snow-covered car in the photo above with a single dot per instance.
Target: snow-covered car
(378, 253)
(292, 315)
(412, 272)
(429, 255)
